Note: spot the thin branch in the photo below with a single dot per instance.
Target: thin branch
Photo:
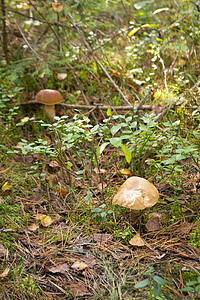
(41, 15)
(95, 107)
(96, 59)
(143, 100)
(26, 41)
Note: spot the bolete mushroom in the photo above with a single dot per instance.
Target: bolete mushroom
(136, 193)
(49, 98)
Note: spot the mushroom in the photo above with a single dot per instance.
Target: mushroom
(136, 193)
(49, 98)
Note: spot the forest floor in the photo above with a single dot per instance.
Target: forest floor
(54, 246)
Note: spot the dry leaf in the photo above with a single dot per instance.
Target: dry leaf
(158, 109)
(62, 192)
(97, 171)
(101, 186)
(61, 76)
(137, 241)
(79, 289)
(5, 272)
(57, 7)
(6, 187)
(33, 227)
(153, 224)
(1, 199)
(53, 164)
(101, 238)
(79, 265)
(3, 251)
(61, 268)
(126, 172)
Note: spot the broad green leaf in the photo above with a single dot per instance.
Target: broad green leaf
(115, 129)
(197, 289)
(127, 153)
(88, 196)
(100, 149)
(142, 284)
(191, 283)
(159, 280)
(141, 4)
(157, 290)
(96, 210)
(116, 142)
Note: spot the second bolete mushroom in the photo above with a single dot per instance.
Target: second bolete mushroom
(49, 98)
(136, 193)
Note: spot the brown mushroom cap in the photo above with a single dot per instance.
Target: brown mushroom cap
(136, 193)
(49, 97)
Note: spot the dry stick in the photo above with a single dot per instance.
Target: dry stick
(4, 32)
(41, 15)
(143, 101)
(96, 59)
(27, 41)
(93, 107)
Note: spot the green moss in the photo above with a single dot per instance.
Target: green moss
(195, 238)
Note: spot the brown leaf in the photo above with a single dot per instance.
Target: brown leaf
(137, 241)
(79, 289)
(101, 186)
(102, 237)
(33, 227)
(61, 268)
(158, 109)
(79, 265)
(3, 251)
(5, 272)
(153, 224)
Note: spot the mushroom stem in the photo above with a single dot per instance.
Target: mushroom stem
(134, 214)
(49, 110)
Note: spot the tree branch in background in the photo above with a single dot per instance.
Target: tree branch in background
(96, 59)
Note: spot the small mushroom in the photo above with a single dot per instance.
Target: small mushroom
(136, 193)
(49, 98)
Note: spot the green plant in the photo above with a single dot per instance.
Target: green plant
(157, 283)
(195, 237)
(193, 288)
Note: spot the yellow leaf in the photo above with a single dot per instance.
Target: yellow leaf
(45, 220)
(157, 93)
(57, 6)
(126, 172)
(6, 187)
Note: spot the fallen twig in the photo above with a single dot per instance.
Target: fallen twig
(96, 107)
